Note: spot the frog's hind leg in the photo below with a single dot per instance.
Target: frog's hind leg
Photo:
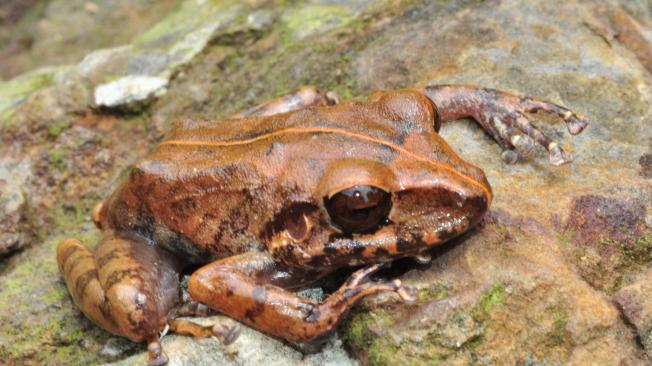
(77, 265)
(248, 288)
(302, 98)
(127, 286)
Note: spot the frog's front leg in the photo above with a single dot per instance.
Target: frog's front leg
(250, 288)
(502, 115)
(126, 286)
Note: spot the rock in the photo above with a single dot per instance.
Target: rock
(129, 91)
(550, 314)
(611, 238)
(13, 92)
(249, 348)
(635, 300)
(131, 76)
(13, 175)
(646, 165)
(44, 35)
(490, 300)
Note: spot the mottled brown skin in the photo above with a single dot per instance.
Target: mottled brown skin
(246, 199)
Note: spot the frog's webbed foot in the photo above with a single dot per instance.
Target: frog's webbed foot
(246, 288)
(503, 116)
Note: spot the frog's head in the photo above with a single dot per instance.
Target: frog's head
(397, 197)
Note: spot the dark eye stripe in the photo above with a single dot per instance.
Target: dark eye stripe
(359, 209)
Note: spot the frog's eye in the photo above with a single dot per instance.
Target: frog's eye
(359, 209)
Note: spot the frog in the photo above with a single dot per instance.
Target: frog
(263, 203)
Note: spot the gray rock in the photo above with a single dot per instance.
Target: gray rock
(13, 175)
(250, 348)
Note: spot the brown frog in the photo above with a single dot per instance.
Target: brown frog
(282, 195)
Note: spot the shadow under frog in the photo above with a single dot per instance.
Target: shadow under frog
(283, 194)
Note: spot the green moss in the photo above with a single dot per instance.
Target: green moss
(44, 327)
(70, 217)
(309, 19)
(644, 242)
(637, 251)
(356, 331)
(423, 295)
(189, 16)
(26, 83)
(57, 128)
(15, 90)
(56, 158)
(647, 339)
(436, 292)
(491, 298)
(559, 334)
(565, 237)
(383, 352)
(368, 333)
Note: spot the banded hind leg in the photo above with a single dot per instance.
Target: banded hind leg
(127, 286)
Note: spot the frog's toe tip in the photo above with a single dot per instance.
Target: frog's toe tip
(523, 144)
(509, 157)
(576, 124)
(226, 334)
(155, 355)
(558, 156)
(407, 294)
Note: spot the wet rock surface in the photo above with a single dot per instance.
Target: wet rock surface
(558, 273)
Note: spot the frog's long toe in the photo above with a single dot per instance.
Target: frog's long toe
(515, 130)
(407, 293)
(362, 275)
(575, 122)
(226, 334)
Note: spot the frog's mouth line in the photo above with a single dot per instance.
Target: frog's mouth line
(313, 130)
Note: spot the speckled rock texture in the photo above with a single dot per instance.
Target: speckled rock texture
(558, 273)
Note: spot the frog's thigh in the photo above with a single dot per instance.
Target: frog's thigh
(127, 286)
(77, 265)
(238, 287)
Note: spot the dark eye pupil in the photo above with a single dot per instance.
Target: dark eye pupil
(359, 209)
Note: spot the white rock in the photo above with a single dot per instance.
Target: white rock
(129, 89)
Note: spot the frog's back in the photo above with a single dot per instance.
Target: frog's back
(211, 187)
